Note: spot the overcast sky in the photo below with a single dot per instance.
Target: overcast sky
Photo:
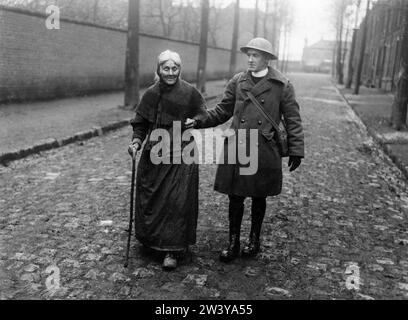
(312, 21)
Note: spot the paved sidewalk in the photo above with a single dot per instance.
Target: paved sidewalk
(31, 127)
(374, 107)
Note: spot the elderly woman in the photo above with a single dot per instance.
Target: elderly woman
(166, 193)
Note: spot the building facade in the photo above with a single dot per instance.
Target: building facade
(319, 56)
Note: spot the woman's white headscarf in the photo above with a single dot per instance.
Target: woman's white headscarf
(164, 57)
(169, 55)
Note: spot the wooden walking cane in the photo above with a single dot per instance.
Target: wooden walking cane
(132, 193)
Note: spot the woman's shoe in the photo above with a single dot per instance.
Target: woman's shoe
(169, 262)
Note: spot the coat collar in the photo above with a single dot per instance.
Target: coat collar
(265, 84)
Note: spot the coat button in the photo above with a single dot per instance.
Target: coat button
(259, 122)
(242, 120)
(262, 100)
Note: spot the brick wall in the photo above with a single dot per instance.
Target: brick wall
(37, 63)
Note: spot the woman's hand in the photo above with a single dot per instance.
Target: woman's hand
(133, 148)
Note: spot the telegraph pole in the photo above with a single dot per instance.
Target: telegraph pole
(339, 56)
(132, 57)
(265, 20)
(275, 27)
(362, 50)
(202, 58)
(234, 45)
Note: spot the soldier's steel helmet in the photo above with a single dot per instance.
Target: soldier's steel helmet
(262, 45)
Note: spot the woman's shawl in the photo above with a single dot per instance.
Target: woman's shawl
(178, 103)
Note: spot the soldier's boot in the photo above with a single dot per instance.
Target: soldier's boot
(236, 211)
(253, 247)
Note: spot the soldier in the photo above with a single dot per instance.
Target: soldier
(276, 94)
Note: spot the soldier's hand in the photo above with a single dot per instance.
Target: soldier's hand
(294, 163)
(190, 123)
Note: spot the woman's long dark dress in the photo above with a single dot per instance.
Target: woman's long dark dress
(166, 194)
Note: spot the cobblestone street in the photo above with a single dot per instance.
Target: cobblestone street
(338, 231)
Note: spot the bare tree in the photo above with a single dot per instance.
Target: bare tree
(281, 24)
(234, 45)
(285, 26)
(362, 50)
(190, 23)
(215, 22)
(165, 13)
(256, 18)
(343, 46)
(341, 17)
(341, 8)
(266, 19)
(275, 27)
(132, 56)
(350, 68)
(202, 58)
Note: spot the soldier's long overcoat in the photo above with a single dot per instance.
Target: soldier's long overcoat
(277, 96)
